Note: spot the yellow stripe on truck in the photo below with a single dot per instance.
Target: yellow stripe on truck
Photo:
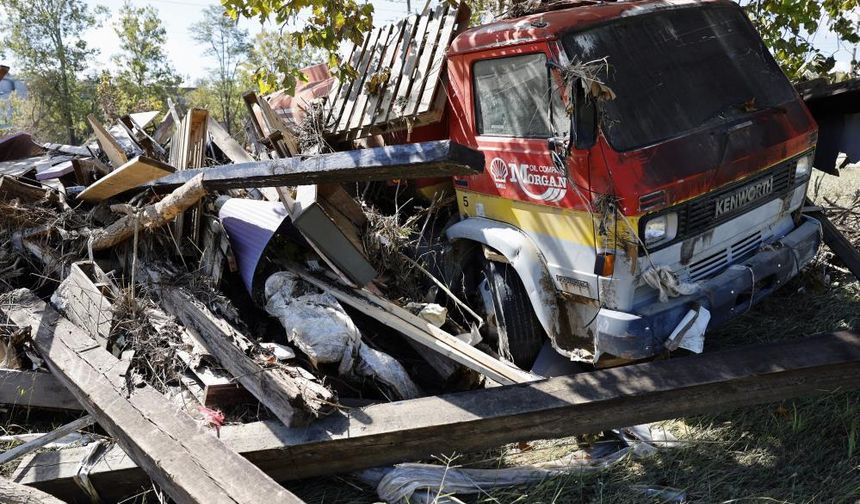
(560, 223)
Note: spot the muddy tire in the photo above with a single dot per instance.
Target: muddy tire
(514, 315)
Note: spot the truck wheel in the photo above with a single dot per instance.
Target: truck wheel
(514, 315)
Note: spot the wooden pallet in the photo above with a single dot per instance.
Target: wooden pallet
(413, 52)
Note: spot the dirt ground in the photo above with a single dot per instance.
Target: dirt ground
(800, 451)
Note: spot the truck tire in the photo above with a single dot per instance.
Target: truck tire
(514, 315)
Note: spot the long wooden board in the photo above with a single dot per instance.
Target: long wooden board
(108, 144)
(429, 159)
(482, 419)
(836, 241)
(137, 171)
(29, 389)
(421, 331)
(188, 462)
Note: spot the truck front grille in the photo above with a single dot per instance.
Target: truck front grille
(699, 215)
(716, 262)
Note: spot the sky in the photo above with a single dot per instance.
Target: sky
(177, 15)
(188, 60)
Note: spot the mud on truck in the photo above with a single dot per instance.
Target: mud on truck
(646, 166)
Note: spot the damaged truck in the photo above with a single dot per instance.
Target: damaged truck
(646, 168)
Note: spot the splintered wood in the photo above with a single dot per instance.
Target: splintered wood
(290, 392)
(400, 82)
(187, 462)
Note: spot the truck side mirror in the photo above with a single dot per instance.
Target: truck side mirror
(583, 122)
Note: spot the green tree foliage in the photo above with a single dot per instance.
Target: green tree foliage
(327, 24)
(229, 46)
(145, 77)
(275, 59)
(788, 26)
(45, 38)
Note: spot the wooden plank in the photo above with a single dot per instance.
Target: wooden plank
(484, 419)
(399, 51)
(135, 172)
(149, 145)
(187, 150)
(433, 80)
(11, 187)
(31, 389)
(406, 75)
(836, 241)
(432, 43)
(421, 331)
(86, 298)
(31, 446)
(189, 463)
(377, 64)
(229, 146)
(165, 127)
(285, 390)
(276, 124)
(340, 90)
(14, 493)
(429, 159)
(108, 144)
(358, 83)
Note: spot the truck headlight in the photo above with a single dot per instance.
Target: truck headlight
(661, 228)
(803, 167)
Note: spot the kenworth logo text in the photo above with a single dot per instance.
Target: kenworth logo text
(744, 196)
(543, 183)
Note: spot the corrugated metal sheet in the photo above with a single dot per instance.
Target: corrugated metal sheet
(250, 225)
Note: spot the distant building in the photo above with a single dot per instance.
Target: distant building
(8, 86)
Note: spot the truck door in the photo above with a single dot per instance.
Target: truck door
(511, 97)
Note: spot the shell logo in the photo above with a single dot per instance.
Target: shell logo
(499, 170)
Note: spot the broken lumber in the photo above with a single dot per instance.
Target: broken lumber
(151, 216)
(31, 389)
(836, 241)
(108, 144)
(483, 419)
(86, 298)
(11, 188)
(185, 460)
(165, 127)
(287, 391)
(227, 144)
(31, 446)
(429, 159)
(235, 153)
(421, 331)
(137, 171)
(14, 493)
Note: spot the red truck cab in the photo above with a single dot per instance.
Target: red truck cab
(680, 206)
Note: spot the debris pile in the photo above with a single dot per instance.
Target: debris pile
(201, 283)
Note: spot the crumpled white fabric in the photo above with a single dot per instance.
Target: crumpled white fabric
(437, 484)
(317, 324)
(662, 279)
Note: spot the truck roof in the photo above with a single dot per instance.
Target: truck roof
(549, 25)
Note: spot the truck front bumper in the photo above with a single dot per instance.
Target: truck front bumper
(733, 292)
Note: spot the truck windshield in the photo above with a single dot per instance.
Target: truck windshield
(678, 70)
